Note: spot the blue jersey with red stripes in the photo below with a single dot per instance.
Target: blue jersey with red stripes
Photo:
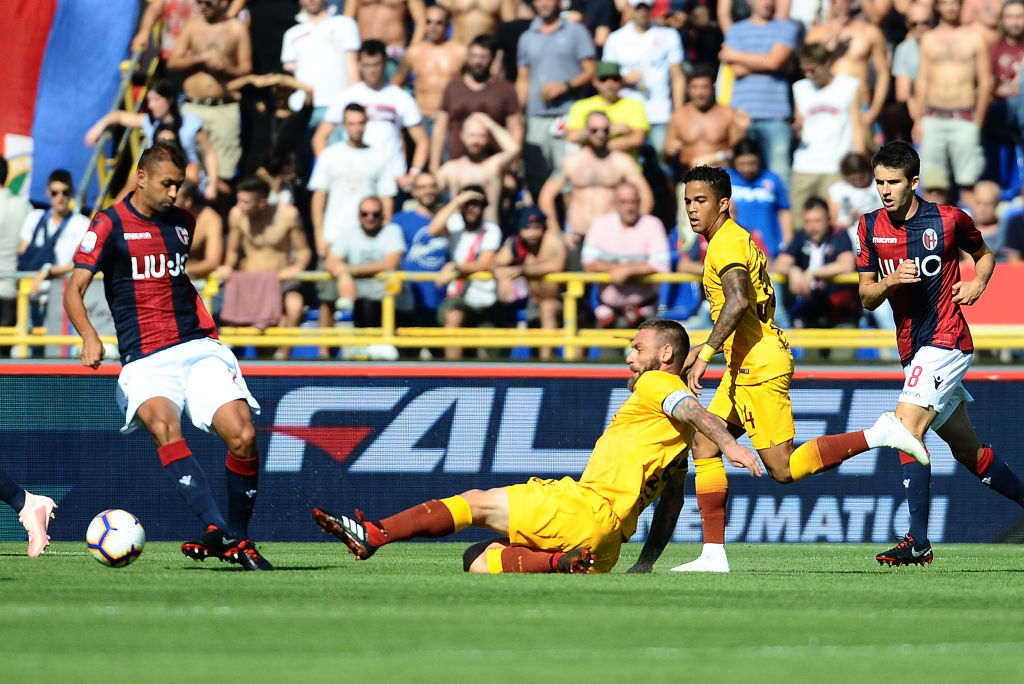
(142, 259)
(924, 312)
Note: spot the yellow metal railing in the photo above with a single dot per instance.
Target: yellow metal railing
(131, 139)
(570, 336)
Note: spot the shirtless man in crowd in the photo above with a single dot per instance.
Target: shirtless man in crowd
(858, 48)
(272, 240)
(954, 88)
(472, 18)
(476, 167)
(207, 251)
(703, 131)
(593, 173)
(432, 62)
(384, 20)
(214, 49)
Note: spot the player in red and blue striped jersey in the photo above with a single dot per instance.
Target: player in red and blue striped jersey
(909, 253)
(171, 358)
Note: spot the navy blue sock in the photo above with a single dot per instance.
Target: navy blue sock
(998, 476)
(240, 476)
(11, 492)
(917, 480)
(190, 482)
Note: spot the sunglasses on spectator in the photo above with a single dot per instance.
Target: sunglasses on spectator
(54, 193)
(609, 78)
(371, 214)
(434, 21)
(603, 129)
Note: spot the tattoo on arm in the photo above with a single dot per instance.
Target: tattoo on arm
(692, 412)
(735, 285)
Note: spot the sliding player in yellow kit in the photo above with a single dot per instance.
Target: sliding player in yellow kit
(753, 396)
(568, 525)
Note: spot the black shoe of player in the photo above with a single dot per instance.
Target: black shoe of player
(907, 552)
(246, 555)
(575, 562)
(352, 532)
(214, 543)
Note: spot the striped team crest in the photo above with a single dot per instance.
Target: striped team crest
(183, 235)
(930, 239)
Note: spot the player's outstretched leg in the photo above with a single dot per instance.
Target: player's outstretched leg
(825, 453)
(434, 518)
(35, 517)
(712, 494)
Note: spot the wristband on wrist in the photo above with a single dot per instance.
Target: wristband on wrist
(568, 85)
(705, 354)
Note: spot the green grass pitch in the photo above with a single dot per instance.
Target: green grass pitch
(787, 613)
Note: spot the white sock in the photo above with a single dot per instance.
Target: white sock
(876, 434)
(713, 551)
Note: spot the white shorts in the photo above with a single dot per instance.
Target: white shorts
(198, 376)
(933, 380)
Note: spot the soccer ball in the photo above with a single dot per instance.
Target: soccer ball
(115, 538)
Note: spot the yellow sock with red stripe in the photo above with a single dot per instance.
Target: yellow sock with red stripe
(712, 495)
(825, 453)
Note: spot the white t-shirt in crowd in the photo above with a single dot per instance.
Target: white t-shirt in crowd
(853, 203)
(365, 249)
(67, 244)
(318, 51)
(827, 132)
(348, 175)
(652, 52)
(466, 246)
(388, 111)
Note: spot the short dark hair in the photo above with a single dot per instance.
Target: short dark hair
(717, 179)
(855, 162)
(275, 158)
(898, 155)
(479, 189)
(487, 42)
(748, 146)
(816, 53)
(705, 70)
(159, 152)
(167, 127)
(188, 189)
(816, 202)
(671, 333)
(373, 48)
(254, 184)
(353, 107)
(60, 176)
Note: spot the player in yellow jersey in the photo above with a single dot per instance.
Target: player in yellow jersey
(753, 396)
(575, 525)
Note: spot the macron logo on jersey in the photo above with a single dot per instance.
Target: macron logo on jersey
(885, 240)
(145, 235)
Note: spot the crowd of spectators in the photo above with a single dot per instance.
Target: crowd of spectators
(524, 137)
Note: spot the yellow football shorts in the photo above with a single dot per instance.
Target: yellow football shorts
(561, 515)
(763, 410)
